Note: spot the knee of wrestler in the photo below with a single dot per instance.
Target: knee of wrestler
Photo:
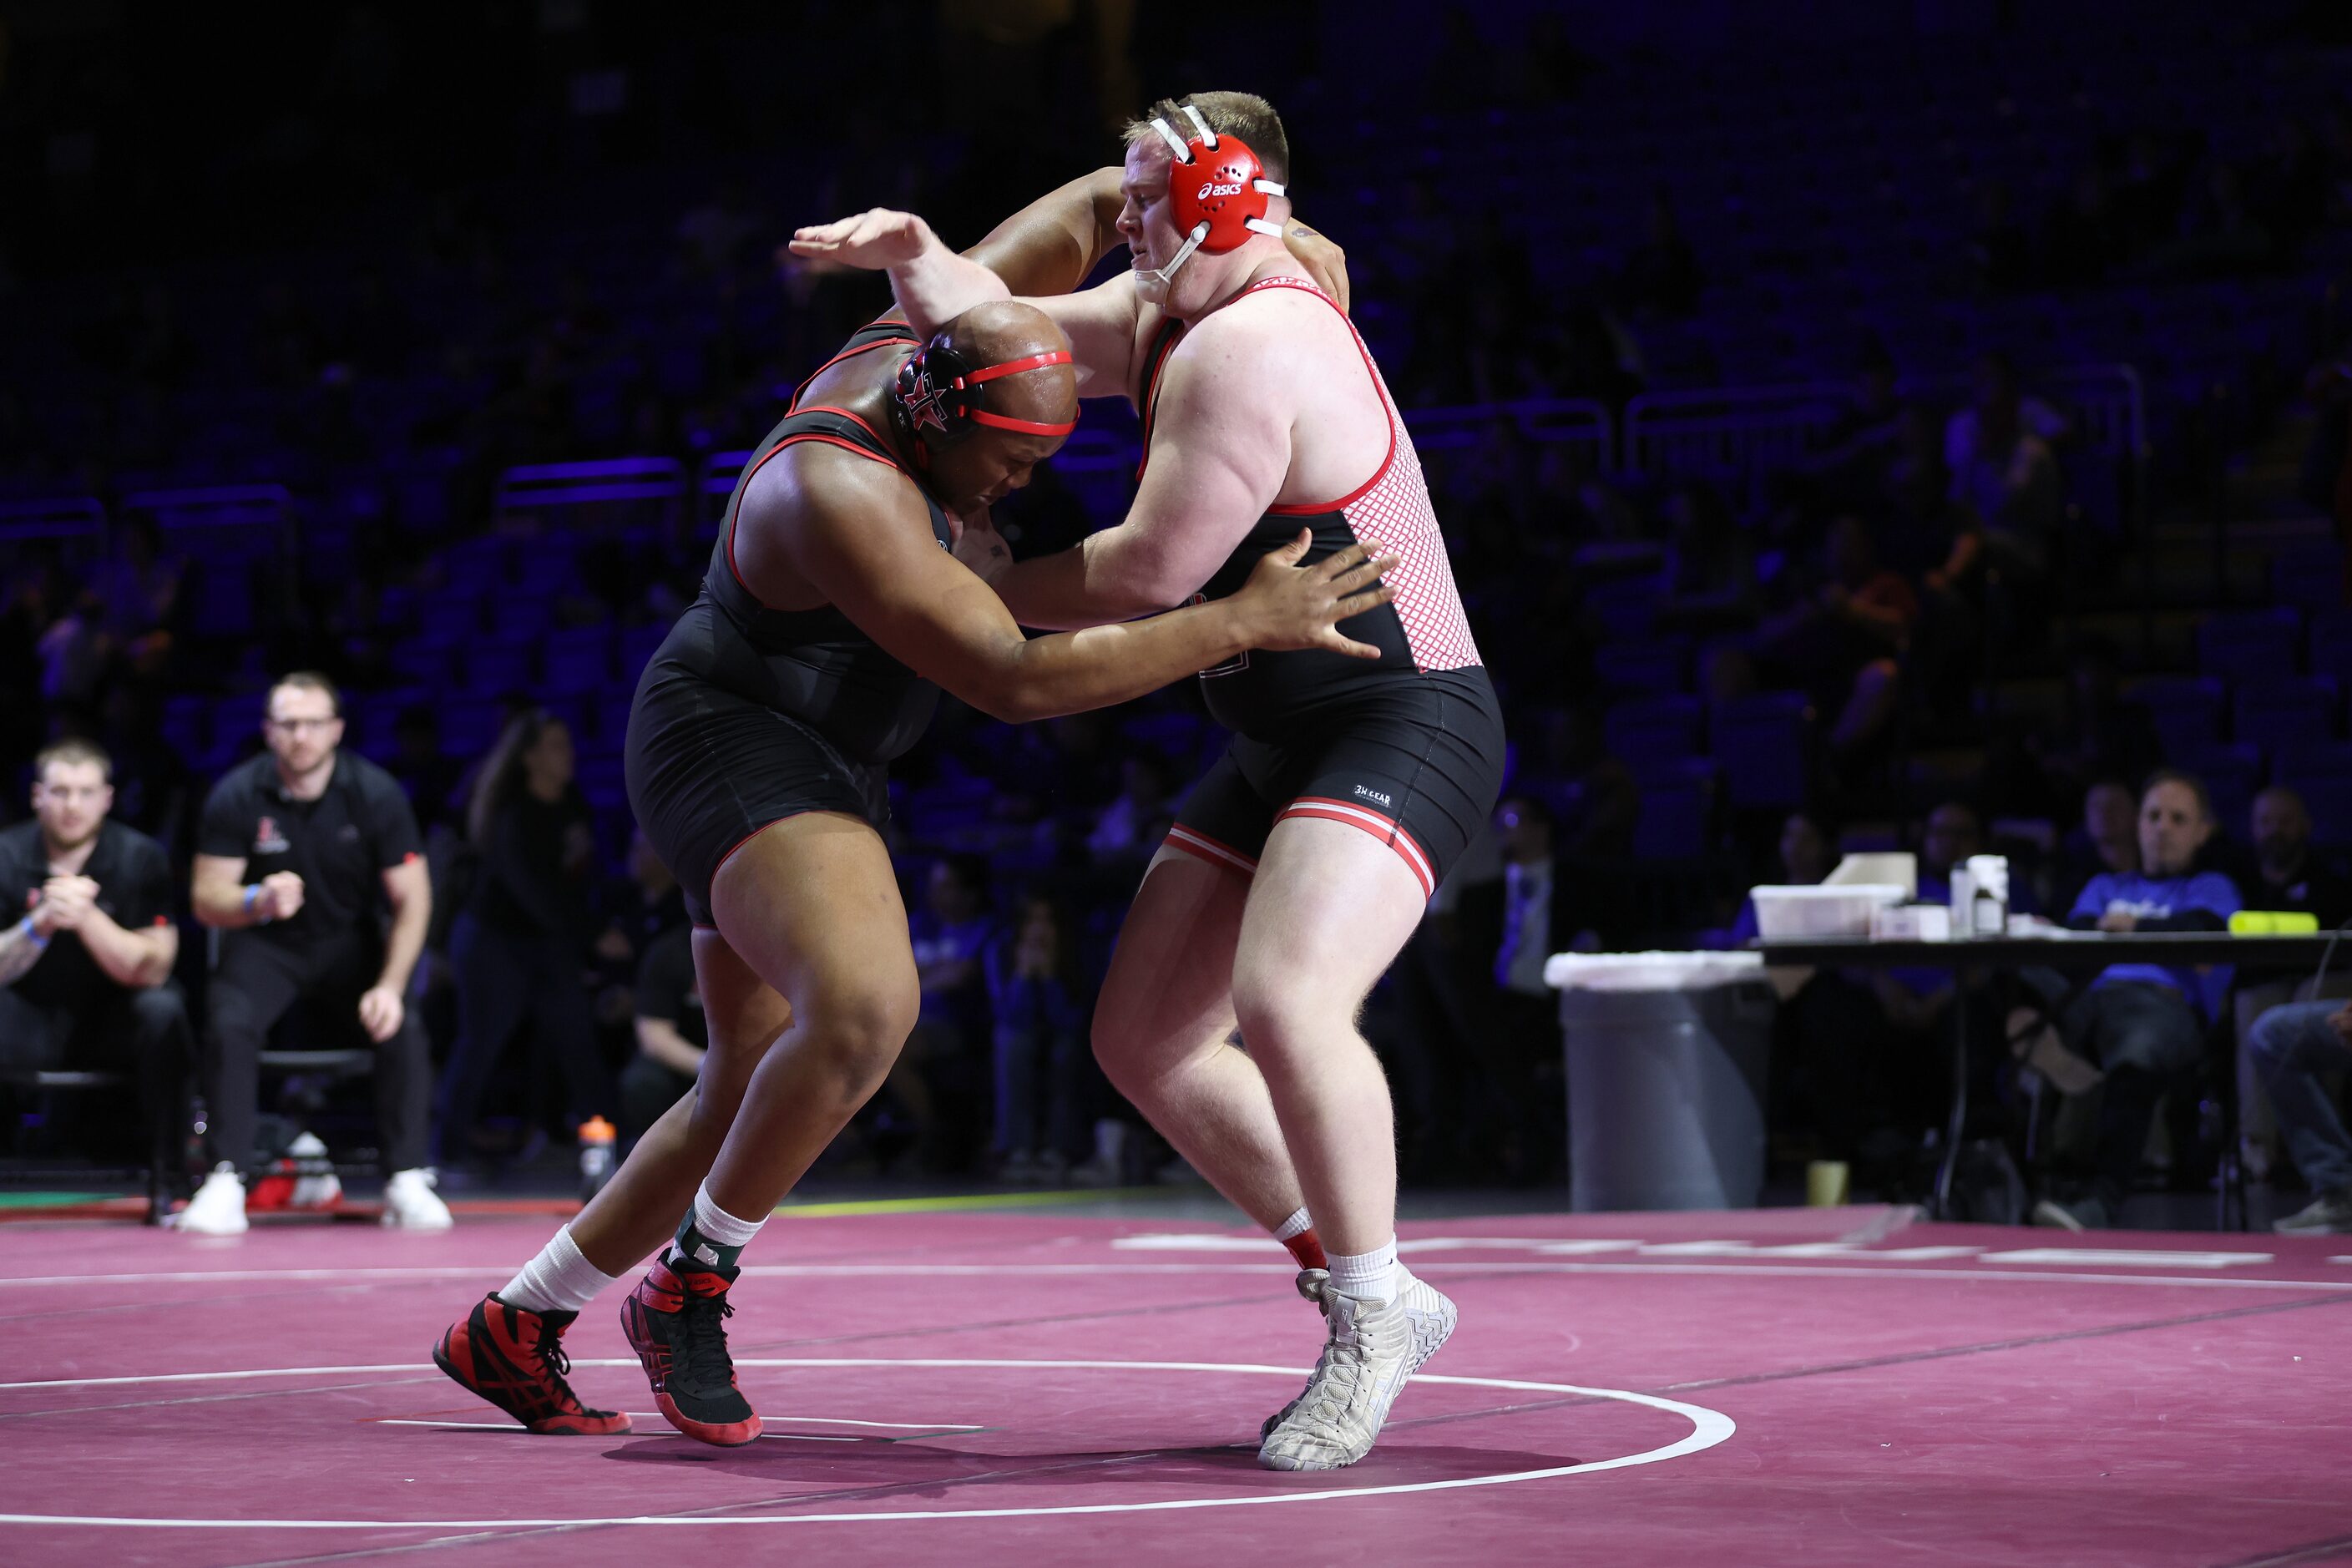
(1272, 1015)
(861, 1032)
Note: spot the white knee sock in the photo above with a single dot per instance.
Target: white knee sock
(560, 1280)
(1367, 1275)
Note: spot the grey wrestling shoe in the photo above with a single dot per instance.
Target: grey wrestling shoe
(1431, 1315)
(1364, 1366)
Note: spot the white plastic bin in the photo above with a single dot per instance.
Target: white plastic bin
(1666, 1056)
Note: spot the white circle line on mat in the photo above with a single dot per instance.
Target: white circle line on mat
(1708, 1427)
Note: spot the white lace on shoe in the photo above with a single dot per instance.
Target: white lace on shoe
(410, 1203)
(1363, 1371)
(218, 1207)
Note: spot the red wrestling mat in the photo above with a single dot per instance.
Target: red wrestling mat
(1820, 1387)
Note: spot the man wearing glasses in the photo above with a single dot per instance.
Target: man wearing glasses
(302, 851)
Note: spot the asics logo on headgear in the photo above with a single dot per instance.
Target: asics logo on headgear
(1214, 189)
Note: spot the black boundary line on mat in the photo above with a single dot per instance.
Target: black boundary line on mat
(2315, 1551)
(1905, 1358)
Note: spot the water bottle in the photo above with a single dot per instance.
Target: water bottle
(596, 1156)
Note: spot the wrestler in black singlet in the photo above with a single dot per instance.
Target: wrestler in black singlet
(747, 715)
(1409, 747)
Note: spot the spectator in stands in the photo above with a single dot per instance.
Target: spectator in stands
(85, 974)
(1806, 853)
(950, 936)
(1039, 1009)
(1514, 924)
(1128, 830)
(138, 590)
(428, 774)
(1710, 566)
(1998, 450)
(2142, 1023)
(2080, 239)
(2296, 1048)
(2108, 841)
(331, 848)
(1999, 253)
(671, 1033)
(2288, 876)
(520, 949)
(2105, 736)
(1846, 462)
(1843, 642)
(1661, 276)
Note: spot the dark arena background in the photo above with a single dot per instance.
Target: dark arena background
(1896, 446)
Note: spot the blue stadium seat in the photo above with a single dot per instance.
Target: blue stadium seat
(637, 645)
(1677, 808)
(492, 668)
(2185, 708)
(577, 658)
(1763, 744)
(2329, 801)
(1655, 665)
(2309, 577)
(2274, 713)
(449, 616)
(469, 726)
(2250, 645)
(1653, 729)
(2304, 762)
(2331, 643)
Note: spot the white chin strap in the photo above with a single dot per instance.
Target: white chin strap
(1163, 276)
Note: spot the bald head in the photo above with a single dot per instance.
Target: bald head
(990, 462)
(1005, 329)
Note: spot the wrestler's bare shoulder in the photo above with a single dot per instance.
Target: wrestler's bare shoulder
(1283, 338)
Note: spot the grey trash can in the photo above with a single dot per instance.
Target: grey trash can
(1667, 1055)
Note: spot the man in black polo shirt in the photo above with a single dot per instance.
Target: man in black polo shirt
(86, 969)
(300, 853)
(671, 1033)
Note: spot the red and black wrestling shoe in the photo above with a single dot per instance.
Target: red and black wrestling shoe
(515, 1359)
(676, 1320)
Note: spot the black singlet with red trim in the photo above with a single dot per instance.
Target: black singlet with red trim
(815, 664)
(1265, 695)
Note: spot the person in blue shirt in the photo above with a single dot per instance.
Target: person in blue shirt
(2142, 1023)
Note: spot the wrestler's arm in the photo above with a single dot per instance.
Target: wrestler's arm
(917, 603)
(1221, 449)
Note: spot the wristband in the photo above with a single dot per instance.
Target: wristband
(40, 944)
(252, 894)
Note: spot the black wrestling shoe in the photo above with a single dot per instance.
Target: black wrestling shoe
(676, 1320)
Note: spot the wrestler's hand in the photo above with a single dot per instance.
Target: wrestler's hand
(876, 239)
(979, 546)
(1288, 606)
(1325, 262)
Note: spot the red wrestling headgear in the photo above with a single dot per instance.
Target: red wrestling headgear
(1217, 189)
(940, 396)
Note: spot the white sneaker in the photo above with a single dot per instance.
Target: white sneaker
(1430, 1313)
(218, 1208)
(317, 1187)
(1363, 1369)
(410, 1203)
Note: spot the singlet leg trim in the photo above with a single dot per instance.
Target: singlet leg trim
(1199, 845)
(1388, 830)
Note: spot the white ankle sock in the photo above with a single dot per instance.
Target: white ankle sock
(715, 1224)
(1367, 1275)
(1298, 1224)
(560, 1280)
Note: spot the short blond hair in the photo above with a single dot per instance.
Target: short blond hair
(310, 681)
(1242, 114)
(74, 753)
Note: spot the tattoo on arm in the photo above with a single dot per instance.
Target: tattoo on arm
(17, 954)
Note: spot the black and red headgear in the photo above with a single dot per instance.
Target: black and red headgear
(939, 393)
(1216, 188)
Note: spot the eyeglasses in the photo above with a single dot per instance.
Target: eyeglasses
(296, 726)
